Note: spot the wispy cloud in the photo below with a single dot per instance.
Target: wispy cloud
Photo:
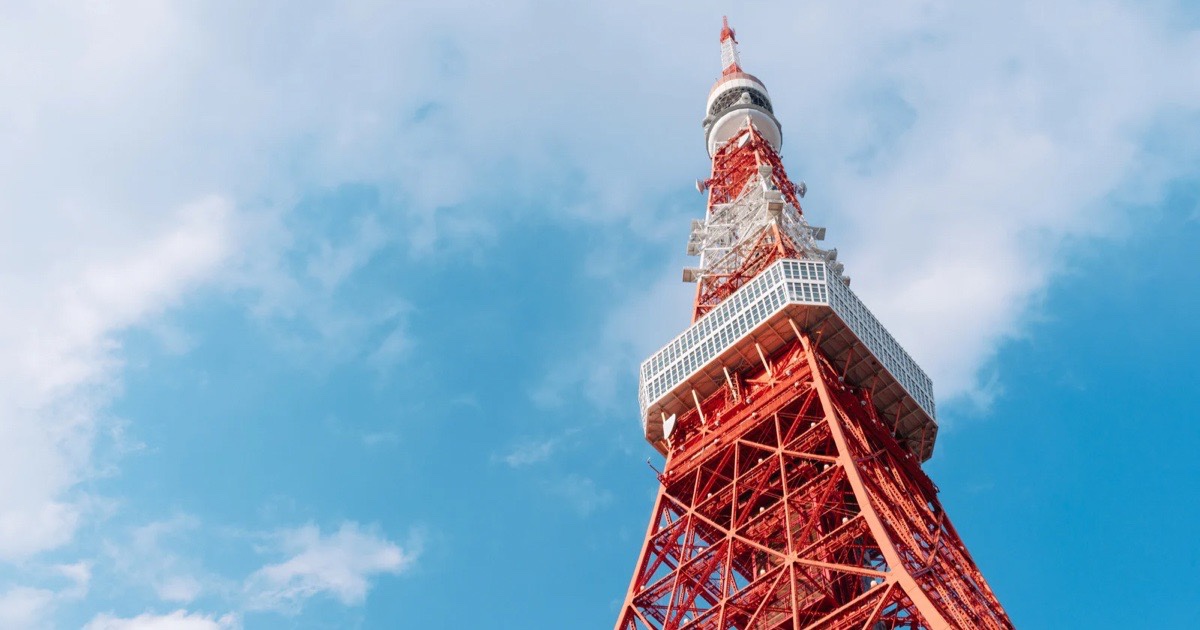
(341, 565)
(303, 280)
(380, 438)
(62, 360)
(33, 607)
(162, 557)
(177, 620)
(580, 493)
(25, 607)
(79, 576)
(154, 557)
(370, 436)
(529, 452)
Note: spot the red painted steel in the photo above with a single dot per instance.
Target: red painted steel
(787, 503)
(735, 165)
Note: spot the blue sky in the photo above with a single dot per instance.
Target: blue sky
(329, 317)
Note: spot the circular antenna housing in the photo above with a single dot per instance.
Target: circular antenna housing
(736, 97)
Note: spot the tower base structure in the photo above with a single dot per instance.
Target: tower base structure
(788, 502)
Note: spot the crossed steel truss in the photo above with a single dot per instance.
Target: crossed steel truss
(788, 503)
(788, 500)
(754, 218)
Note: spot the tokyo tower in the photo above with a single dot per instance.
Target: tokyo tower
(793, 425)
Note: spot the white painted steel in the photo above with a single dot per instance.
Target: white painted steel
(738, 81)
(758, 206)
(728, 125)
(729, 53)
(688, 363)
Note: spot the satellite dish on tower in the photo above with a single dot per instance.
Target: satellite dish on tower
(669, 426)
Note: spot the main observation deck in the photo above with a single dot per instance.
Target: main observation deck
(810, 295)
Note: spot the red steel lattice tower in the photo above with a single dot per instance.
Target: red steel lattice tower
(794, 426)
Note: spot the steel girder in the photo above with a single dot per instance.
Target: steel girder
(788, 503)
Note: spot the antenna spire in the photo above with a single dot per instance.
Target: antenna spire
(729, 54)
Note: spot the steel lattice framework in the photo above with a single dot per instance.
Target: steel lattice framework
(788, 503)
(794, 427)
(746, 229)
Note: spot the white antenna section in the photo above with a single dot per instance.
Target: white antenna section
(722, 238)
(729, 53)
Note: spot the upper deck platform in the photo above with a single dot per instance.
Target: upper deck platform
(810, 294)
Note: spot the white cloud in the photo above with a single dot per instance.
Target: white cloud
(179, 589)
(79, 575)
(25, 608)
(529, 452)
(59, 326)
(380, 438)
(150, 559)
(162, 557)
(341, 565)
(133, 172)
(178, 620)
(126, 134)
(301, 286)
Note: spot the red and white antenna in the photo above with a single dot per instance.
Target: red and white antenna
(729, 54)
